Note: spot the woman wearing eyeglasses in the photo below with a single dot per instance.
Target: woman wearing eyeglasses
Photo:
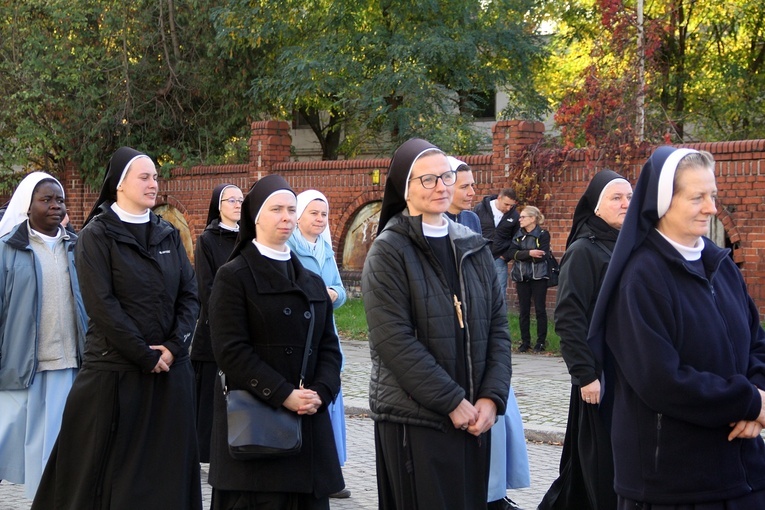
(529, 253)
(213, 248)
(439, 341)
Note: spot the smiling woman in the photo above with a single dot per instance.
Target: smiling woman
(129, 419)
(687, 352)
(436, 314)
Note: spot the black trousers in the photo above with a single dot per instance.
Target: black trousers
(535, 290)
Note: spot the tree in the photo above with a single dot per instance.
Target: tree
(80, 79)
(703, 66)
(368, 73)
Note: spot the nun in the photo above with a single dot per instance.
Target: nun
(212, 250)
(127, 438)
(683, 337)
(262, 305)
(312, 244)
(586, 469)
(509, 464)
(439, 341)
(42, 328)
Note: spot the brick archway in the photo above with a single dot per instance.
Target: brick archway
(349, 214)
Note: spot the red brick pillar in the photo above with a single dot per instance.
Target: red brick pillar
(77, 204)
(510, 138)
(270, 143)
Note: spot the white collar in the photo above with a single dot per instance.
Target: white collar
(436, 230)
(226, 227)
(688, 253)
(129, 217)
(271, 253)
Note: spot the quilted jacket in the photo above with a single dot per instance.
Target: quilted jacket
(410, 314)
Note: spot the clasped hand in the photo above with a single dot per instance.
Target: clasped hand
(303, 401)
(745, 429)
(474, 419)
(165, 360)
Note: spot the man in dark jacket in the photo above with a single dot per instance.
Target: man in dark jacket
(499, 224)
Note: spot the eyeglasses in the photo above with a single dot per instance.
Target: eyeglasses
(429, 181)
(525, 216)
(233, 201)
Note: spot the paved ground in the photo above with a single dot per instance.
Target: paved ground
(541, 386)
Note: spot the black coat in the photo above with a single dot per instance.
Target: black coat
(259, 322)
(501, 236)
(213, 248)
(582, 270)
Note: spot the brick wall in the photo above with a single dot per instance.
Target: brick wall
(348, 186)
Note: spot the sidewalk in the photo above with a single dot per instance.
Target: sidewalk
(541, 383)
(542, 388)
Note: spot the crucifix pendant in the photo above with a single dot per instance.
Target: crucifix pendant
(458, 309)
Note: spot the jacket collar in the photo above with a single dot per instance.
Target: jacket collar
(215, 227)
(711, 257)
(461, 236)
(270, 281)
(19, 236)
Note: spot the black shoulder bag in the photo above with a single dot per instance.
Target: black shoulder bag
(256, 430)
(553, 270)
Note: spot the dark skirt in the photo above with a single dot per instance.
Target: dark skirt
(752, 501)
(244, 500)
(127, 441)
(206, 372)
(420, 468)
(586, 480)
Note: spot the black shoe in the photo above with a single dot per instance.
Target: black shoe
(504, 504)
(539, 348)
(345, 493)
(523, 348)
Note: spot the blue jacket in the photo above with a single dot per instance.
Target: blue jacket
(690, 354)
(467, 218)
(20, 307)
(328, 272)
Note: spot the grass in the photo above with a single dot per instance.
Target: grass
(351, 321)
(352, 325)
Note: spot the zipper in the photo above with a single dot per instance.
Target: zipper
(468, 353)
(658, 442)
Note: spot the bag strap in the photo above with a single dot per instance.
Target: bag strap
(307, 345)
(306, 353)
(595, 241)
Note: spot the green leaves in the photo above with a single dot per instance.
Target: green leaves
(80, 79)
(382, 71)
